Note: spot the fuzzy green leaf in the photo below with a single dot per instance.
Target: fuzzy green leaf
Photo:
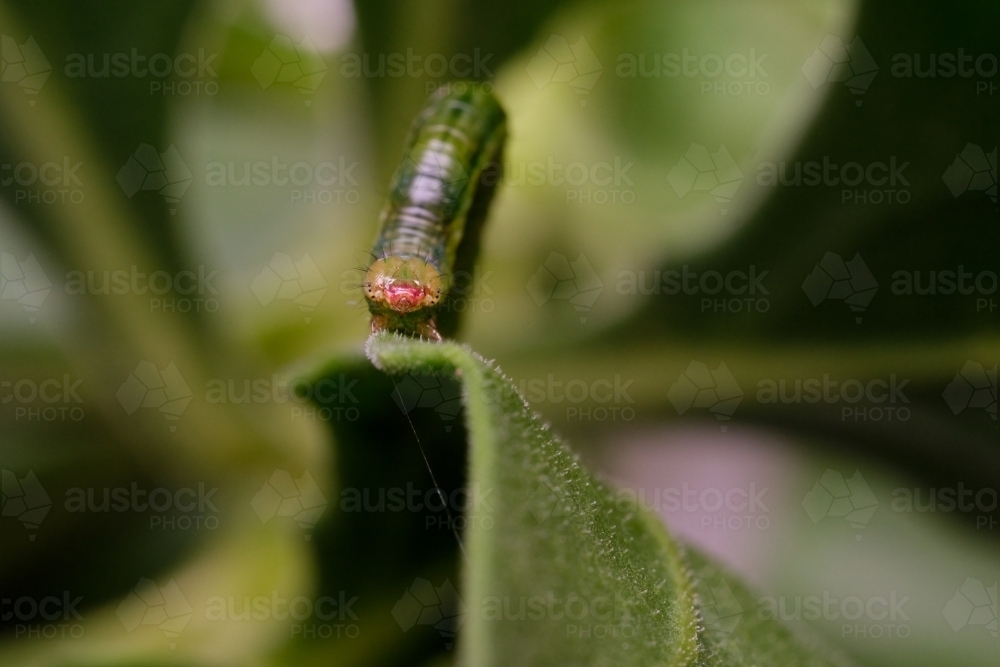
(557, 571)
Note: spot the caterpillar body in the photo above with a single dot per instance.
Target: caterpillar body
(430, 227)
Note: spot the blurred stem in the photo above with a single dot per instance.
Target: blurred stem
(420, 27)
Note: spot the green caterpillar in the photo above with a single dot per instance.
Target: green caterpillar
(430, 227)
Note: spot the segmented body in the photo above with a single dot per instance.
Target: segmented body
(430, 226)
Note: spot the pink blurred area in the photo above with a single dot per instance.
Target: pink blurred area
(732, 494)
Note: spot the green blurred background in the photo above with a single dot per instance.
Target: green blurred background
(631, 155)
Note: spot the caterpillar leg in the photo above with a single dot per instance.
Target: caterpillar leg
(379, 323)
(428, 329)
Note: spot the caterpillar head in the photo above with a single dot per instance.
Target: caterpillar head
(403, 285)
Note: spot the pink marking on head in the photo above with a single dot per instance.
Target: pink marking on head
(404, 296)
